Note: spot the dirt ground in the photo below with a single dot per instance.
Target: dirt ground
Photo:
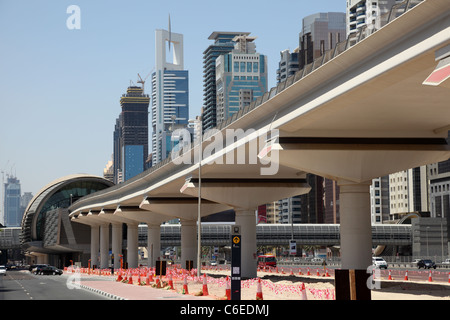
(290, 287)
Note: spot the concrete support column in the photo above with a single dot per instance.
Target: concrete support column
(95, 245)
(132, 245)
(153, 243)
(104, 245)
(247, 220)
(355, 225)
(116, 243)
(188, 242)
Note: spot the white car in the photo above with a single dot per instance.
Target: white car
(379, 262)
(3, 270)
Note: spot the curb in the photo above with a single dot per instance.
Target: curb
(103, 293)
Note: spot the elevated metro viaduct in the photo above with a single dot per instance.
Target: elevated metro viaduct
(351, 116)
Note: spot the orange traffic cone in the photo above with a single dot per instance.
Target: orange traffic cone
(171, 282)
(390, 277)
(429, 277)
(119, 276)
(130, 278)
(205, 286)
(449, 277)
(259, 295)
(308, 273)
(406, 276)
(327, 274)
(318, 274)
(228, 289)
(303, 290)
(185, 287)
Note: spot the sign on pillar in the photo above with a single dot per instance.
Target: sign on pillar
(292, 247)
(236, 241)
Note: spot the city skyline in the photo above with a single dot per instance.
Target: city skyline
(60, 86)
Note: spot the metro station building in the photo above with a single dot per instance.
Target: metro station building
(48, 236)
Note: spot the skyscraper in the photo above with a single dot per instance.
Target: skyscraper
(320, 32)
(223, 43)
(170, 93)
(288, 65)
(367, 13)
(131, 135)
(12, 212)
(241, 77)
(439, 174)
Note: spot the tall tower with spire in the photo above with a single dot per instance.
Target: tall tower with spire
(170, 92)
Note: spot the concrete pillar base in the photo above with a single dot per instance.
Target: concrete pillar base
(356, 241)
(116, 243)
(95, 245)
(247, 220)
(153, 243)
(132, 245)
(104, 245)
(188, 242)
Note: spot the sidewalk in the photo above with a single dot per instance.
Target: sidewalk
(110, 288)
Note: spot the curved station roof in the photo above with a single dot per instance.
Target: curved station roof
(60, 193)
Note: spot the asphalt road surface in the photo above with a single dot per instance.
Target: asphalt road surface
(23, 285)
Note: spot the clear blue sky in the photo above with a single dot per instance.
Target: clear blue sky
(60, 88)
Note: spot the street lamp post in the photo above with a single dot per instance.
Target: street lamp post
(198, 127)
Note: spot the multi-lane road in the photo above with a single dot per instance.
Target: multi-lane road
(23, 285)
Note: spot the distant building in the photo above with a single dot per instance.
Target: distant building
(223, 44)
(408, 192)
(12, 199)
(379, 200)
(170, 94)
(366, 13)
(330, 201)
(288, 64)
(108, 171)
(320, 33)
(241, 77)
(439, 177)
(131, 135)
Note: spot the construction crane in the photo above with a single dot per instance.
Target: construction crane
(142, 81)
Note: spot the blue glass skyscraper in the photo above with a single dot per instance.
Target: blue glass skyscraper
(12, 210)
(223, 44)
(131, 135)
(241, 77)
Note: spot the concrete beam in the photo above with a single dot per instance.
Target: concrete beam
(359, 159)
(182, 208)
(247, 193)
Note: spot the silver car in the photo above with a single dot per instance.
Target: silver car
(3, 270)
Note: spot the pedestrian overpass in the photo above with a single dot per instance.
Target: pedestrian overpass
(219, 234)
